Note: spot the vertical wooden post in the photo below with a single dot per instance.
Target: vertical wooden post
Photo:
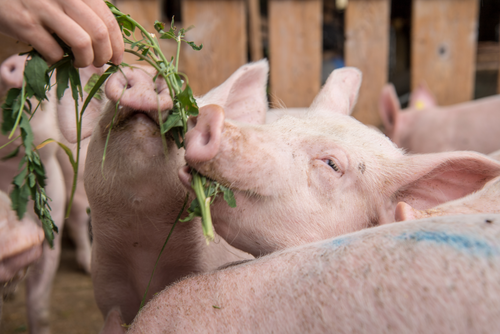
(367, 48)
(444, 48)
(255, 34)
(295, 43)
(221, 26)
(146, 12)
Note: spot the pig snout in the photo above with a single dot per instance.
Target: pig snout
(136, 89)
(203, 139)
(11, 73)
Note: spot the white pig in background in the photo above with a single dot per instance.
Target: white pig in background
(20, 245)
(44, 125)
(299, 180)
(136, 197)
(426, 127)
(439, 275)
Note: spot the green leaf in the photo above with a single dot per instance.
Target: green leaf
(194, 46)
(11, 154)
(173, 120)
(19, 197)
(112, 69)
(36, 75)
(9, 120)
(187, 99)
(76, 85)
(26, 133)
(159, 26)
(62, 79)
(94, 78)
(19, 178)
(229, 196)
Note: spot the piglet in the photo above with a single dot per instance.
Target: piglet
(299, 180)
(439, 275)
(426, 127)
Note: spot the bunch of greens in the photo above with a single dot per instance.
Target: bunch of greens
(17, 111)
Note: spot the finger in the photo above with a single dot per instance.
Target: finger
(43, 42)
(74, 35)
(115, 34)
(92, 23)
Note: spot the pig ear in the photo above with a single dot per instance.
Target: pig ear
(340, 92)
(66, 109)
(442, 177)
(389, 108)
(405, 212)
(243, 96)
(422, 98)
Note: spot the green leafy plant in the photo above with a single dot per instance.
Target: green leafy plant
(17, 112)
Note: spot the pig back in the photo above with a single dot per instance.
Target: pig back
(437, 275)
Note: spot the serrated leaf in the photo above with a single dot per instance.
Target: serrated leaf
(19, 178)
(167, 35)
(19, 197)
(76, 85)
(194, 46)
(94, 78)
(173, 120)
(159, 26)
(11, 154)
(31, 180)
(112, 69)
(26, 133)
(35, 73)
(62, 79)
(47, 225)
(229, 197)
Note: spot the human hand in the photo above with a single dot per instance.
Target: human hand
(87, 26)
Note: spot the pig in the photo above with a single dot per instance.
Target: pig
(44, 126)
(439, 275)
(136, 195)
(426, 127)
(20, 245)
(299, 180)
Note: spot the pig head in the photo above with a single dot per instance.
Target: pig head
(298, 180)
(134, 192)
(425, 127)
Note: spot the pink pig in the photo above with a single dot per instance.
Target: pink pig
(136, 196)
(44, 126)
(439, 275)
(426, 127)
(299, 180)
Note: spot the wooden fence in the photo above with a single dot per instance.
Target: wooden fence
(443, 45)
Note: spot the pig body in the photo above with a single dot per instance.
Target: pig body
(439, 275)
(426, 127)
(299, 180)
(136, 196)
(44, 126)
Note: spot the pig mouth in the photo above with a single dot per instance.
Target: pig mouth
(185, 177)
(125, 115)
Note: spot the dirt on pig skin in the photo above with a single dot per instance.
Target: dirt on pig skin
(72, 307)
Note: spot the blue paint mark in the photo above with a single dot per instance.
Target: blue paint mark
(463, 243)
(337, 242)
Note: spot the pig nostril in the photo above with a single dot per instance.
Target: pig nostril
(129, 86)
(12, 68)
(205, 138)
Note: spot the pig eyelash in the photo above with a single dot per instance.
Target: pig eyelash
(332, 164)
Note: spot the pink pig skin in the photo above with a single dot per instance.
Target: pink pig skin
(44, 126)
(299, 180)
(439, 275)
(136, 196)
(426, 127)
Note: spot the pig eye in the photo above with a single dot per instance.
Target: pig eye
(332, 164)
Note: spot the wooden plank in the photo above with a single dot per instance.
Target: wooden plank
(255, 34)
(367, 48)
(295, 41)
(221, 26)
(444, 48)
(146, 12)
